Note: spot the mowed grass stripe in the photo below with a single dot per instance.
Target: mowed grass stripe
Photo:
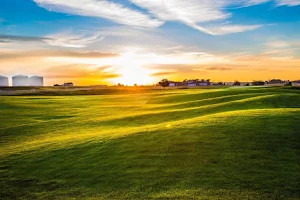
(69, 138)
(133, 120)
(240, 143)
(82, 115)
(215, 159)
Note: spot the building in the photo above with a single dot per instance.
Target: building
(296, 83)
(19, 80)
(197, 82)
(57, 85)
(191, 83)
(204, 82)
(3, 81)
(36, 81)
(175, 84)
(69, 84)
(172, 84)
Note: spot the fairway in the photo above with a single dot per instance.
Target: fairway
(228, 143)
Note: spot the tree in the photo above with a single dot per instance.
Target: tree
(164, 83)
(258, 83)
(236, 83)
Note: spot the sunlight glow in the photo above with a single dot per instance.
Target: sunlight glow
(132, 71)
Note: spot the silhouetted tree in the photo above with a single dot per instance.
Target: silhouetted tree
(164, 83)
(247, 84)
(236, 83)
(258, 83)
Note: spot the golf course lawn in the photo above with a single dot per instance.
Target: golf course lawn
(229, 143)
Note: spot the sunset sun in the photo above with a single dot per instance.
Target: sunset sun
(134, 75)
(132, 72)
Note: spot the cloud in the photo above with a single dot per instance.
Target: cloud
(226, 29)
(79, 71)
(68, 39)
(256, 2)
(16, 38)
(288, 2)
(218, 68)
(54, 53)
(101, 8)
(278, 44)
(160, 74)
(195, 12)
(64, 39)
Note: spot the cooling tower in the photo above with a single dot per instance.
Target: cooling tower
(3, 81)
(20, 81)
(37, 81)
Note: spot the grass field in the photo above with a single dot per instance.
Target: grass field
(230, 143)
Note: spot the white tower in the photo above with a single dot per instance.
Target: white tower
(19, 80)
(3, 81)
(37, 81)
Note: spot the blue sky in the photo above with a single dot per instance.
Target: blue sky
(119, 40)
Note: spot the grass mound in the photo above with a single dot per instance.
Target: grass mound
(189, 144)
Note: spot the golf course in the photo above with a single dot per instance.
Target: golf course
(216, 143)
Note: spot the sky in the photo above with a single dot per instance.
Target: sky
(95, 42)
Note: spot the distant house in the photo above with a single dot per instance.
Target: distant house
(192, 83)
(68, 84)
(172, 84)
(296, 83)
(197, 82)
(204, 82)
(175, 84)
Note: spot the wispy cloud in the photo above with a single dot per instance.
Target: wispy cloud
(5, 56)
(67, 39)
(197, 14)
(194, 13)
(288, 2)
(101, 8)
(16, 38)
(226, 29)
(63, 39)
(79, 71)
(281, 48)
(278, 44)
(163, 73)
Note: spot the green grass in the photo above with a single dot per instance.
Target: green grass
(173, 144)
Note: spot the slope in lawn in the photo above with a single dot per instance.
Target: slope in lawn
(245, 146)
